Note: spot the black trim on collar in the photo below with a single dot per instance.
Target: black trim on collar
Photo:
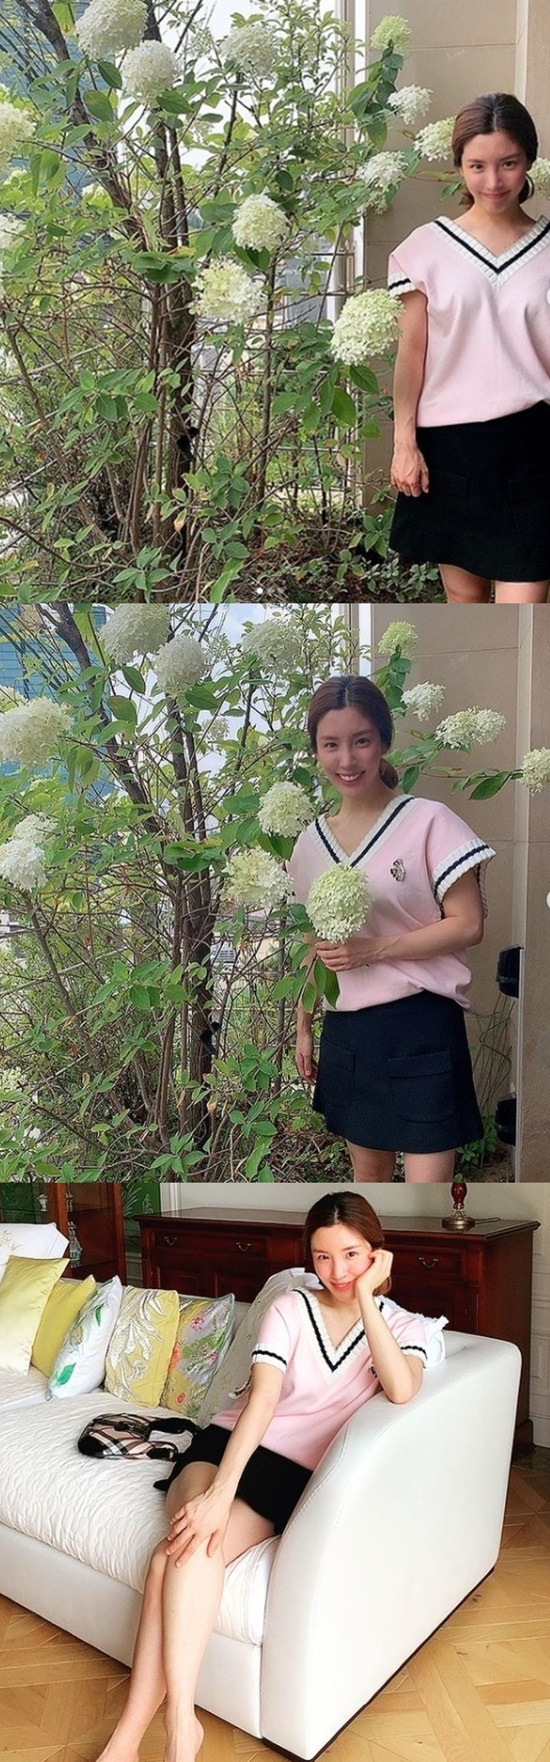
(496, 265)
(337, 1363)
(372, 839)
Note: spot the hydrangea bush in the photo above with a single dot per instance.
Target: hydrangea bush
(200, 421)
(148, 999)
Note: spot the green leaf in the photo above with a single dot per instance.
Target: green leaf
(343, 409)
(309, 998)
(134, 679)
(110, 74)
(489, 786)
(123, 710)
(99, 106)
(409, 778)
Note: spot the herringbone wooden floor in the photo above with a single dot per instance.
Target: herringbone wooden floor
(478, 1691)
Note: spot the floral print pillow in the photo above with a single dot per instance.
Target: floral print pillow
(139, 1349)
(202, 1340)
(80, 1363)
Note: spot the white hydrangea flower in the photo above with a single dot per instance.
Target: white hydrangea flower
(338, 903)
(368, 325)
(224, 290)
(424, 700)
(35, 827)
(108, 27)
(217, 731)
(22, 862)
(10, 231)
(253, 878)
(150, 69)
(393, 31)
(436, 139)
(252, 48)
(540, 175)
(276, 644)
(135, 630)
(381, 174)
(535, 770)
(180, 663)
(470, 728)
(11, 1080)
(399, 637)
(16, 127)
(31, 733)
(285, 809)
(259, 224)
(410, 103)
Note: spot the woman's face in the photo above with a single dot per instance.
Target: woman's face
(494, 168)
(349, 750)
(339, 1257)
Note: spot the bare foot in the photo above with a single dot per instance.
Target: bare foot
(184, 1744)
(116, 1751)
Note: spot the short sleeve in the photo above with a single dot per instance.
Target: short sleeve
(451, 850)
(408, 1330)
(274, 1338)
(299, 869)
(404, 273)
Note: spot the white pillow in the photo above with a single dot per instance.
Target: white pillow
(234, 1372)
(80, 1364)
(33, 1241)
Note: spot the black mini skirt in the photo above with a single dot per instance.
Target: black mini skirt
(270, 1484)
(398, 1076)
(488, 506)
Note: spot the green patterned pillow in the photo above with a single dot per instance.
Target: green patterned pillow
(203, 1337)
(80, 1363)
(140, 1347)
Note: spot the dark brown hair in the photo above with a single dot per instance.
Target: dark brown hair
(496, 112)
(344, 1208)
(360, 694)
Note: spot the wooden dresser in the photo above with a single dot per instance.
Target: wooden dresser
(481, 1280)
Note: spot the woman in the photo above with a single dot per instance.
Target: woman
(394, 1067)
(244, 1474)
(472, 377)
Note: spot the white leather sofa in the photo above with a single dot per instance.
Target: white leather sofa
(401, 1520)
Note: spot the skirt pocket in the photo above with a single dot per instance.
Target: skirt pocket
(422, 1086)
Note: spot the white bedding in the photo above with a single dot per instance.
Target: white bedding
(106, 1514)
(19, 1391)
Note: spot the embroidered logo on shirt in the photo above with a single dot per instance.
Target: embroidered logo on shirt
(398, 870)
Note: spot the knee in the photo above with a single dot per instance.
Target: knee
(157, 1564)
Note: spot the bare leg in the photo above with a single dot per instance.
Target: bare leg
(371, 1165)
(438, 1166)
(521, 593)
(463, 589)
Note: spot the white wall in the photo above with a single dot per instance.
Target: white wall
(396, 1200)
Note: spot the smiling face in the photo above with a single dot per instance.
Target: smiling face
(494, 168)
(349, 750)
(339, 1256)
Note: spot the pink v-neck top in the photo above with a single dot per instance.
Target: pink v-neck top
(488, 351)
(323, 1385)
(411, 857)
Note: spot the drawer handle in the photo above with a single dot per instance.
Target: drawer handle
(243, 1247)
(429, 1263)
(170, 1241)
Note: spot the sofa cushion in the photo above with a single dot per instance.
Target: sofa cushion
(80, 1363)
(64, 1304)
(34, 1241)
(21, 1391)
(141, 1344)
(202, 1340)
(24, 1293)
(235, 1370)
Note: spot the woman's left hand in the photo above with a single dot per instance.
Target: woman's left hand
(375, 1275)
(359, 951)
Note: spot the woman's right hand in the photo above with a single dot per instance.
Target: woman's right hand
(305, 1063)
(409, 472)
(203, 1519)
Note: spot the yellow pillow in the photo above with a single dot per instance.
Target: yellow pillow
(24, 1293)
(141, 1345)
(64, 1304)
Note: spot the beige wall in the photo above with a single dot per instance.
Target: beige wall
(531, 913)
(400, 1201)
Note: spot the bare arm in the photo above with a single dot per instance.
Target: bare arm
(400, 1374)
(204, 1518)
(409, 471)
(460, 927)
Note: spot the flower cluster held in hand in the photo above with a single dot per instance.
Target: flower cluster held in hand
(181, 663)
(368, 325)
(149, 70)
(31, 733)
(338, 903)
(22, 857)
(276, 644)
(400, 638)
(260, 225)
(108, 27)
(135, 630)
(470, 728)
(225, 292)
(424, 700)
(285, 809)
(253, 878)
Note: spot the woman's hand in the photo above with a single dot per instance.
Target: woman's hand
(203, 1519)
(306, 1065)
(359, 951)
(375, 1275)
(409, 472)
